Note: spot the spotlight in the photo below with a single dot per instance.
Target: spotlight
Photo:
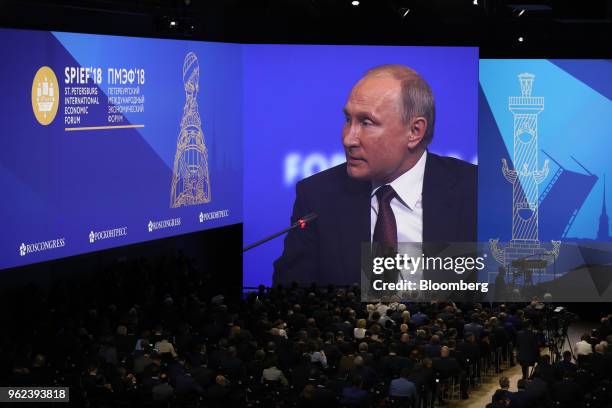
(355, 3)
(521, 12)
(172, 23)
(521, 39)
(403, 12)
(475, 2)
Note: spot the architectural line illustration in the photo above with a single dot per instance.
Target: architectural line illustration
(525, 177)
(603, 231)
(190, 176)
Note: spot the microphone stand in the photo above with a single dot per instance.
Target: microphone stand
(301, 224)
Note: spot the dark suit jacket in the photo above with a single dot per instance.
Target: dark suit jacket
(390, 366)
(446, 367)
(329, 249)
(527, 346)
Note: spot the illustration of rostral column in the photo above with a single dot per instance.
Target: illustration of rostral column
(190, 178)
(525, 178)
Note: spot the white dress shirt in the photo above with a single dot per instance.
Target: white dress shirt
(407, 209)
(583, 348)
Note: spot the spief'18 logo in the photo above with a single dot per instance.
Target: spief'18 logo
(45, 95)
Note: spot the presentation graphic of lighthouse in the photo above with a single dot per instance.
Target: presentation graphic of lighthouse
(190, 177)
(525, 176)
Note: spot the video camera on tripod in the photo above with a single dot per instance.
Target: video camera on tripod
(556, 323)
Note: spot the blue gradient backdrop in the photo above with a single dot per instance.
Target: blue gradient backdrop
(293, 117)
(65, 184)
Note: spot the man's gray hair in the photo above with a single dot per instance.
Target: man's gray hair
(417, 98)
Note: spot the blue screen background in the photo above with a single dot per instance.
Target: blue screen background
(293, 118)
(66, 184)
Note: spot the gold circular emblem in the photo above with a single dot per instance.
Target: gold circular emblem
(45, 95)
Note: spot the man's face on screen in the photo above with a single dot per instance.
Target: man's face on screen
(374, 137)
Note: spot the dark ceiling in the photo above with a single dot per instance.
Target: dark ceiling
(519, 28)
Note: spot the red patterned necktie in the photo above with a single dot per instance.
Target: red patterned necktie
(385, 230)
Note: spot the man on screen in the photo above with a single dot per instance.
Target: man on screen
(391, 189)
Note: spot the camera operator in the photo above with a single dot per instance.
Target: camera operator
(536, 312)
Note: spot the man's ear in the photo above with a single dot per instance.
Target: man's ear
(416, 131)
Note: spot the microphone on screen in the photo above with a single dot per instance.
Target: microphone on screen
(301, 224)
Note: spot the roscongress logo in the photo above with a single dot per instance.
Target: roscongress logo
(26, 249)
(213, 215)
(155, 225)
(45, 95)
(106, 234)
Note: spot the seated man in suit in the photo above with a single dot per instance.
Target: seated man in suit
(390, 190)
(564, 365)
(446, 367)
(354, 396)
(403, 388)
